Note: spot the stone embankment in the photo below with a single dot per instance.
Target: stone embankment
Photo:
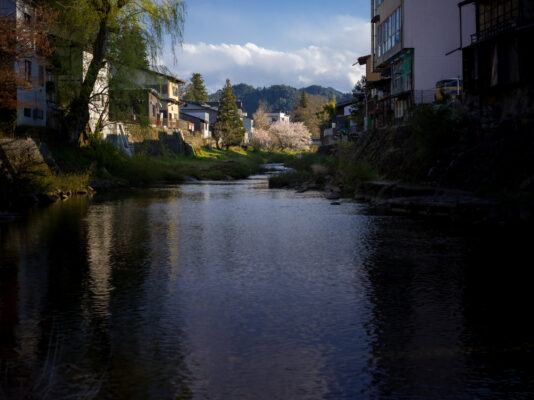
(21, 157)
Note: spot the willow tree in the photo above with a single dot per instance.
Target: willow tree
(95, 24)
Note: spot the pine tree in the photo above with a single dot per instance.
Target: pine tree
(304, 99)
(228, 129)
(196, 91)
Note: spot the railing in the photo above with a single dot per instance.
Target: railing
(424, 96)
(497, 17)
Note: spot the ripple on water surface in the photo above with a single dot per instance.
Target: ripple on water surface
(230, 290)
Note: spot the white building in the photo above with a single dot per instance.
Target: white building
(273, 118)
(248, 123)
(99, 100)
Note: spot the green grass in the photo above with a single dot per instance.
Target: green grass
(40, 179)
(104, 161)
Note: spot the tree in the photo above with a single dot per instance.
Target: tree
(196, 91)
(303, 99)
(94, 24)
(228, 129)
(357, 109)
(290, 135)
(261, 139)
(260, 116)
(128, 51)
(22, 42)
(327, 113)
(308, 115)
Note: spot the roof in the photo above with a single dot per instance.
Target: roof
(191, 118)
(238, 103)
(200, 105)
(344, 103)
(167, 76)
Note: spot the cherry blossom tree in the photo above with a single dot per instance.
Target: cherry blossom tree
(290, 135)
(261, 139)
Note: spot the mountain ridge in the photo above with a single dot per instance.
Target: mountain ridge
(278, 97)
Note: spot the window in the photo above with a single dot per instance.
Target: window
(153, 111)
(28, 112)
(27, 19)
(389, 33)
(27, 71)
(497, 15)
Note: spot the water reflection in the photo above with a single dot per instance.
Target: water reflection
(232, 290)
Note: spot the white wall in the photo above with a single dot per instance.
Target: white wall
(98, 106)
(431, 28)
(279, 116)
(199, 114)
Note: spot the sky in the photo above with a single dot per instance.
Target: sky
(264, 43)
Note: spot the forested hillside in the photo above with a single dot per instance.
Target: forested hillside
(278, 97)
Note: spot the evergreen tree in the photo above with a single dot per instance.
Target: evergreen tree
(228, 129)
(304, 99)
(308, 114)
(196, 91)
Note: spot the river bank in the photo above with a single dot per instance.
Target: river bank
(344, 172)
(32, 173)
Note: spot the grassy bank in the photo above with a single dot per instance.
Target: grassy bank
(318, 170)
(103, 161)
(103, 166)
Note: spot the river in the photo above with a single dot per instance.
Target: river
(231, 290)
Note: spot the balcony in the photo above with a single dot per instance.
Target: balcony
(496, 17)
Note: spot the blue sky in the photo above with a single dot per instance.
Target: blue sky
(297, 43)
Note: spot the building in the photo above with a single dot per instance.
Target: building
(208, 112)
(498, 59)
(376, 95)
(248, 124)
(412, 48)
(342, 126)
(202, 111)
(195, 125)
(166, 88)
(31, 100)
(274, 117)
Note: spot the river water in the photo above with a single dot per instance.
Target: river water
(232, 290)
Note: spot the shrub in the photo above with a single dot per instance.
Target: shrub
(436, 127)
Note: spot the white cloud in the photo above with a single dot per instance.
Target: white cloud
(325, 57)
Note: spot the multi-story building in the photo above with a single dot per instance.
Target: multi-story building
(31, 100)
(498, 59)
(412, 47)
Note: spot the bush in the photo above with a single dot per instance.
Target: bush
(437, 127)
(350, 170)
